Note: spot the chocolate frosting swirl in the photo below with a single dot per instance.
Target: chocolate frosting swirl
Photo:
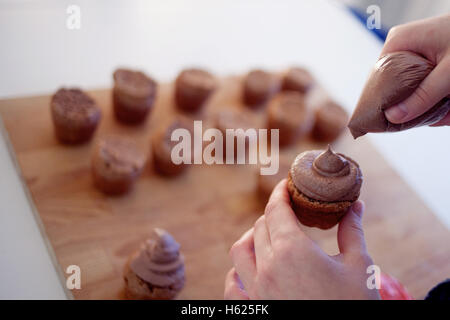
(329, 164)
(326, 176)
(159, 261)
(393, 79)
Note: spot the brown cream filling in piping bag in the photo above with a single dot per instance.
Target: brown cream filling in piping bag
(393, 79)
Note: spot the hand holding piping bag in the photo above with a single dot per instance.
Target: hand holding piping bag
(410, 84)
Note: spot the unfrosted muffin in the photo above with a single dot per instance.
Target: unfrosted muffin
(116, 164)
(133, 95)
(239, 121)
(193, 87)
(289, 113)
(322, 186)
(297, 79)
(266, 183)
(259, 87)
(330, 120)
(156, 271)
(75, 115)
(162, 145)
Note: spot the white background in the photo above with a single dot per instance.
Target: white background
(38, 54)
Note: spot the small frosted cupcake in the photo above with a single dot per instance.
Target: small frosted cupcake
(75, 115)
(322, 186)
(289, 113)
(156, 272)
(133, 95)
(297, 79)
(331, 120)
(259, 87)
(116, 164)
(193, 87)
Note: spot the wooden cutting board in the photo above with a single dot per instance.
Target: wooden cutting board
(206, 209)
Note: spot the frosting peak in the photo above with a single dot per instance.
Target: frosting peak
(330, 164)
(163, 246)
(159, 261)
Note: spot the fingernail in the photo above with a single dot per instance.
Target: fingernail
(396, 113)
(358, 208)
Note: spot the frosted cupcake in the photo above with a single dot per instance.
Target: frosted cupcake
(322, 186)
(156, 272)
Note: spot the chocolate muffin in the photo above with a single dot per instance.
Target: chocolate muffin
(330, 120)
(266, 183)
(133, 95)
(116, 164)
(259, 87)
(322, 186)
(297, 79)
(234, 120)
(193, 87)
(75, 115)
(156, 272)
(163, 145)
(289, 113)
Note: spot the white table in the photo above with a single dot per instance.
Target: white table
(39, 54)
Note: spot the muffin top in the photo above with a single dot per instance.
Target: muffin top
(162, 139)
(269, 181)
(134, 83)
(74, 107)
(234, 119)
(331, 114)
(118, 157)
(290, 108)
(196, 79)
(326, 176)
(260, 82)
(159, 261)
(298, 79)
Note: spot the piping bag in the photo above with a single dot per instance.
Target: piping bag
(393, 79)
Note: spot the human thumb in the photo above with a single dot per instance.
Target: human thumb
(350, 232)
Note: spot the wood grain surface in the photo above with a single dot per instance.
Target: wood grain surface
(206, 209)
